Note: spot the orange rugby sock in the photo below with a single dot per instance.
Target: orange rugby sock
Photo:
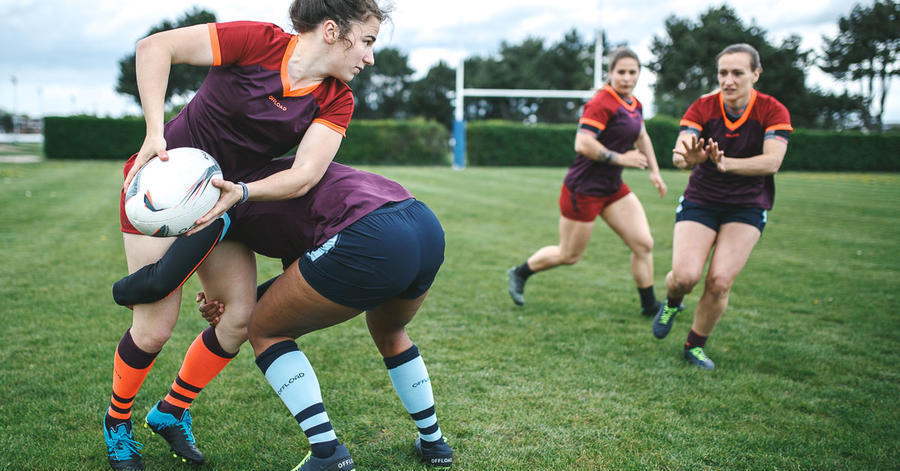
(130, 367)
(203, 361)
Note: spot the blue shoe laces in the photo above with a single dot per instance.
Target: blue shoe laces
(120, 442)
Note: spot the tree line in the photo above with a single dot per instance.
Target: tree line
(863, 53)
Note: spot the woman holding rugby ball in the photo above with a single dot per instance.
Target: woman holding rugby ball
(266, 92)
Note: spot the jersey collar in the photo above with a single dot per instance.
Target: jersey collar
(612, 91)
(736, 124)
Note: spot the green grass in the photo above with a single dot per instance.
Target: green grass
(21, 148)
(807, 378)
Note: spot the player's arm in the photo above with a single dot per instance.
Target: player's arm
(766, 163)
(157, 280)
(689, 150)
(315, 152)
(153, 58)
(587, 145)
(645, 146)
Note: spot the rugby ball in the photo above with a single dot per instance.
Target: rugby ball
(166, 197)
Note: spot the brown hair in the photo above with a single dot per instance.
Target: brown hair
(307, 15)
(620, 53)
(745, 48)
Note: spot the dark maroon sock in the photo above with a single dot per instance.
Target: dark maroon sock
(674, 302)
(695, 340)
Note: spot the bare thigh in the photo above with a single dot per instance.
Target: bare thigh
(733, 247)
(691, 245)
(627, 218)
(152, 323)
(292, 308)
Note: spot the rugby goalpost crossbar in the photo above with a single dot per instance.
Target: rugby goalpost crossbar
(459, 120)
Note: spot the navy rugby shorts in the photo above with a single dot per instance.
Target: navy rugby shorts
(714, 216)
(394, 251)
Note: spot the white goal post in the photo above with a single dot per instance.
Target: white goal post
(459, 120)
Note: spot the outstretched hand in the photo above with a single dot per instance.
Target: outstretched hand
(152, 147)
(211, 310)
(715, 155)
(230, 195)
(694, 152)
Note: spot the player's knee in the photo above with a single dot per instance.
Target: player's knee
(569, 258)
(718, 285)
(643, 246)
(151, 340)
(233, 333)
(258, 334)
(684, 281)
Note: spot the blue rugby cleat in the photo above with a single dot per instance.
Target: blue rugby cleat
(177, 433)
(123, 452)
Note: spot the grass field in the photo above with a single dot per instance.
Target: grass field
(807, 378)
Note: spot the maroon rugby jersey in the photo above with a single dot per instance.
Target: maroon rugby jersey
(246, 113)
(738, 139)
(343, 196)
(617, 125)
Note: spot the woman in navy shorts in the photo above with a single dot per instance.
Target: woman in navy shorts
(734, 140)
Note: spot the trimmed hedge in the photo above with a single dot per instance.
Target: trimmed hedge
(413, 142)
(92, 138)
(850, 150)
(389, 142)
(504, 143)
(499, 143)
(489, 143)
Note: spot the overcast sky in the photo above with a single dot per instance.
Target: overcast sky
(64, 53)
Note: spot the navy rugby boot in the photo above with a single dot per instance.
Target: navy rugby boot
(439, 454)
(697, 357)
(662, 323)
(339, 461)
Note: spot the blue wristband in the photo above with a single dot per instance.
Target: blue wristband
(246, 195)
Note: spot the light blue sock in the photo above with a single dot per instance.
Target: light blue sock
(293, 379)
(410, 378)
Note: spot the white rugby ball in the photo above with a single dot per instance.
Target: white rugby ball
(166, 197)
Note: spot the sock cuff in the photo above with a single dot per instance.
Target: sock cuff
(524, 270)
(410, 354)
(266, 358)
(695, 340)
(132, 355)
(212, 343)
